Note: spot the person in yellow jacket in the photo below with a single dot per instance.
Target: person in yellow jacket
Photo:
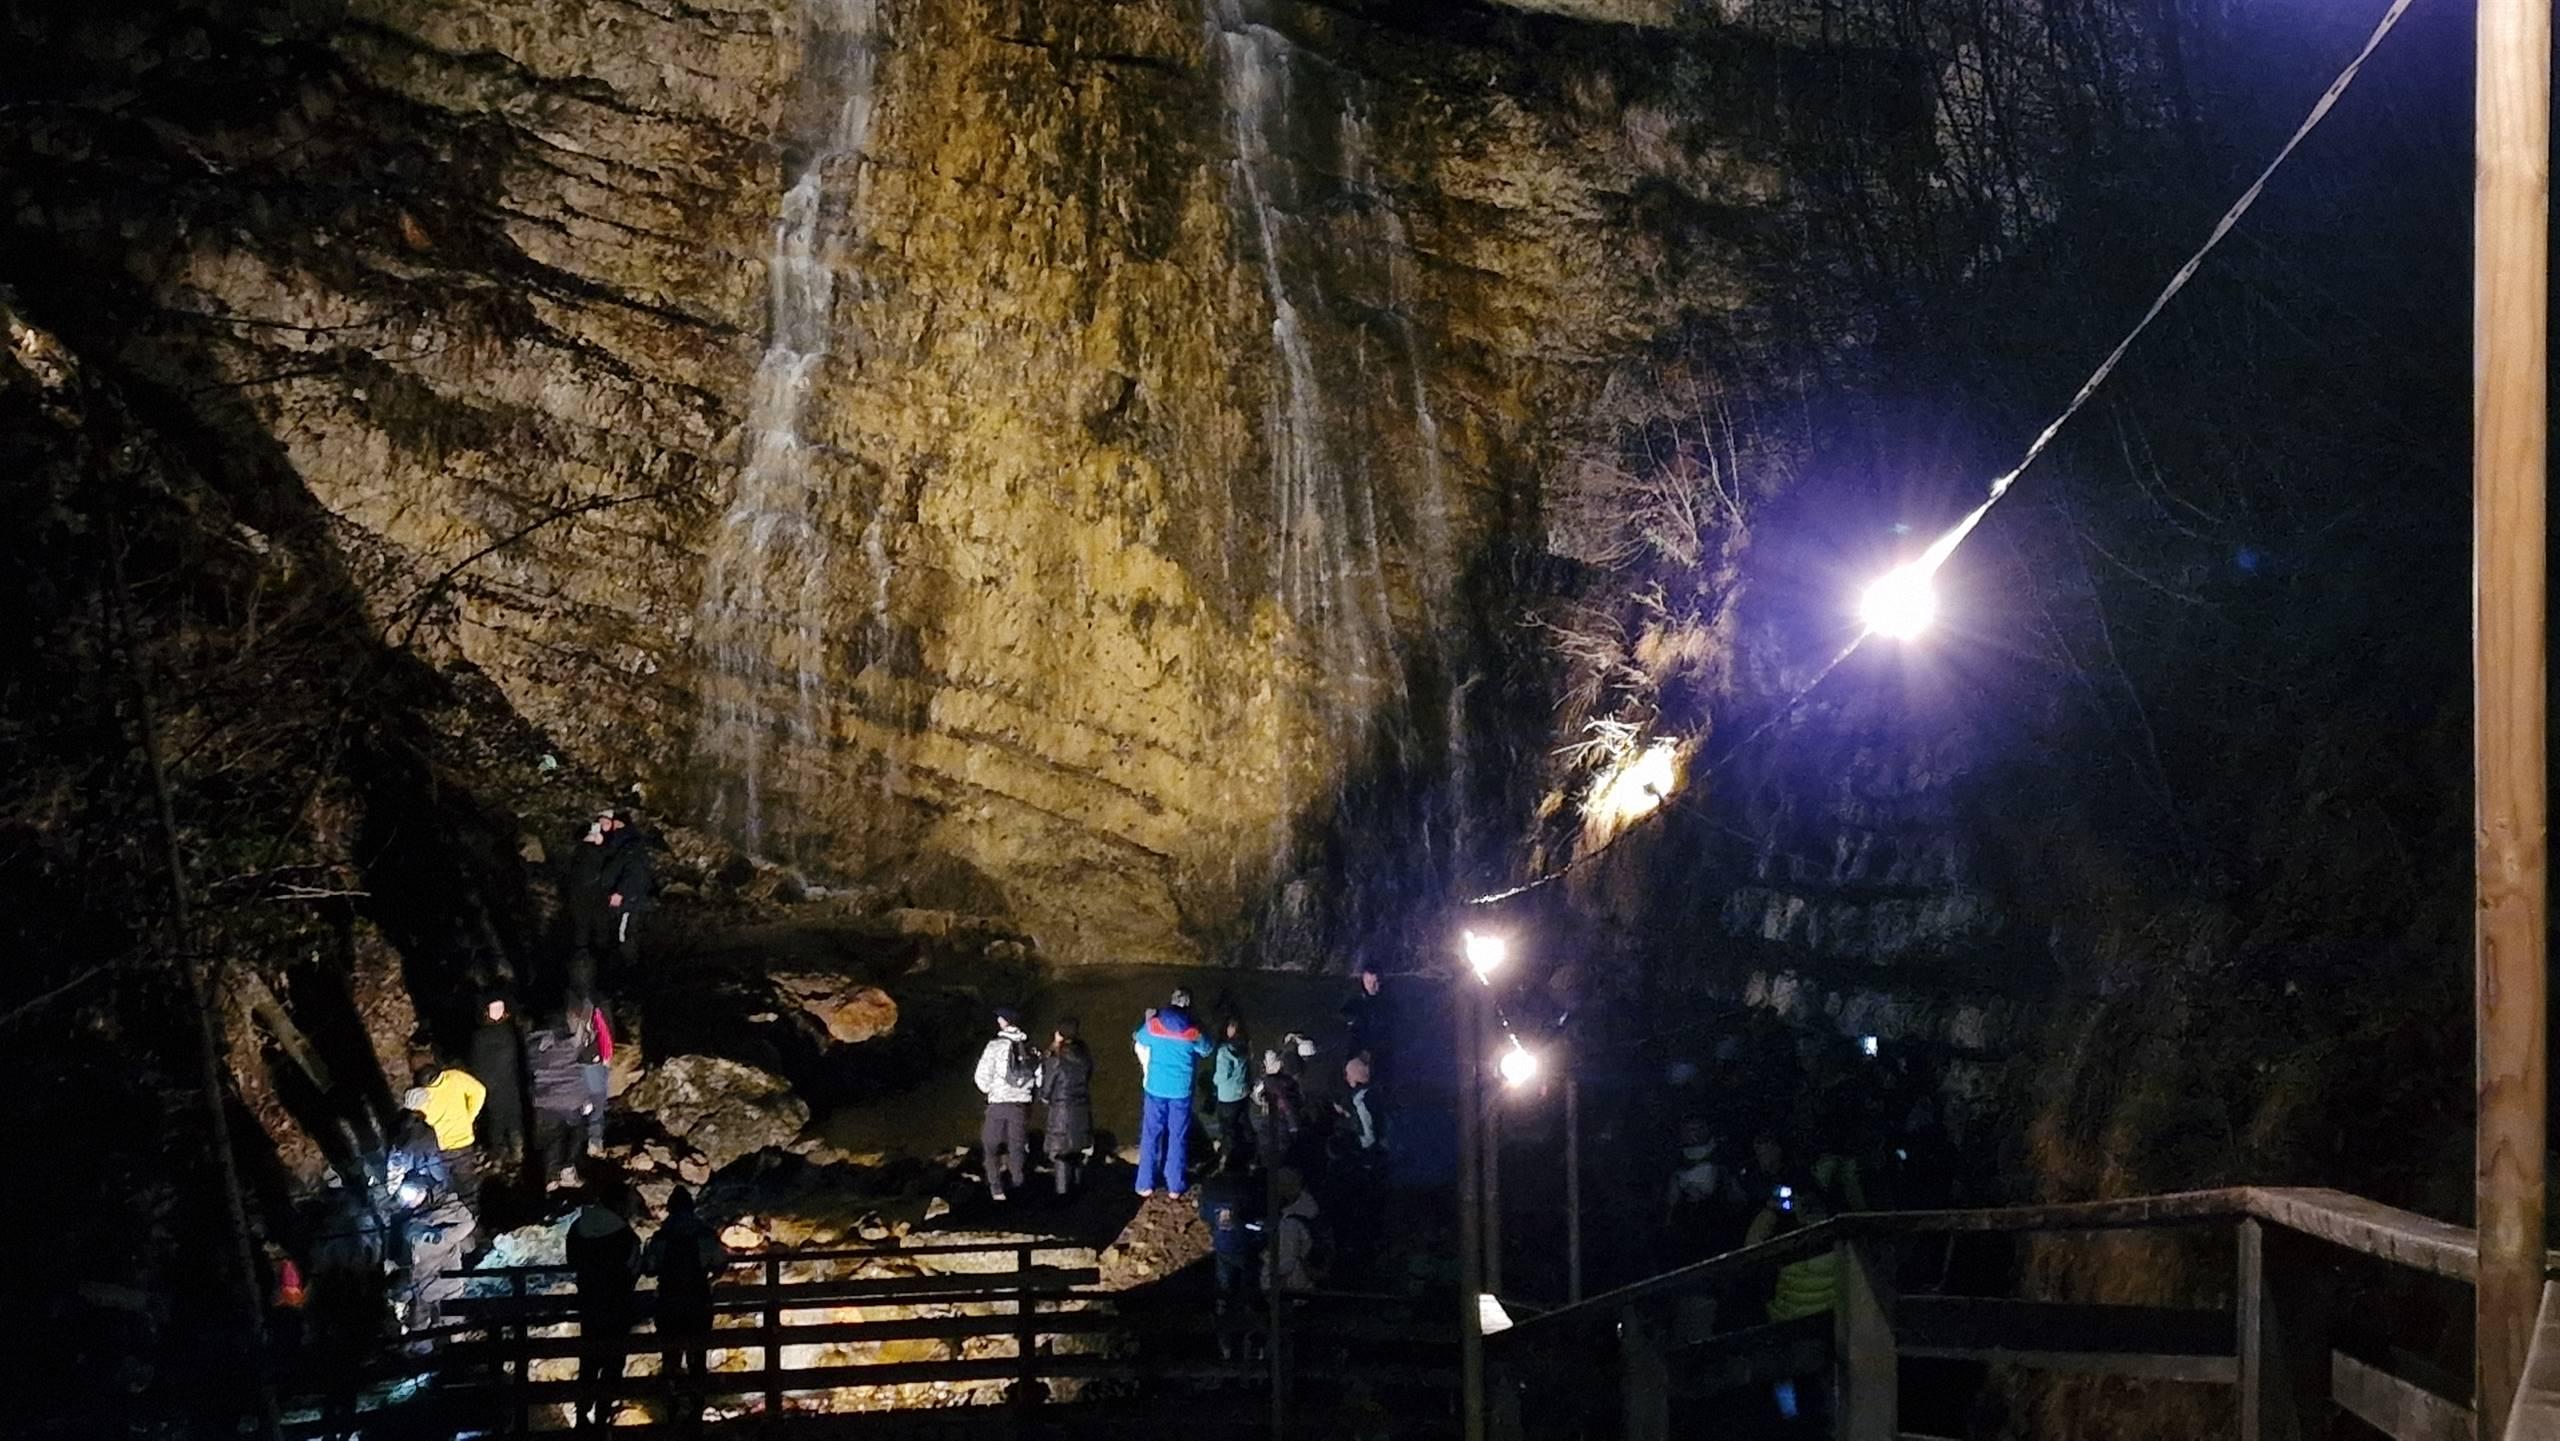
(450, 1098)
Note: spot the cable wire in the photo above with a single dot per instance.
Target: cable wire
(1945, 545)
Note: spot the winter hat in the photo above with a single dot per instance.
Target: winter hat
(414, 1099)
(1008, 1016)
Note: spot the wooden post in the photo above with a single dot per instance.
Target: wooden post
(523, 1396)
(1644, 1381)
(773, 1340)
(2283, 1313)
(2511, 236)
(1026, 1337)
(1572, 1188)
(1467, 1010)
(1863, 1359)
(1277, 1342)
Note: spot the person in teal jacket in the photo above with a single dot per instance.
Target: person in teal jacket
(1232, 1082)
(1169, 1048)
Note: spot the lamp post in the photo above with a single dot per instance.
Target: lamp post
(1520, 1066)
(1484, 955)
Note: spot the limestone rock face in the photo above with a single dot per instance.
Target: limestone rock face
(851, 1013)
(720, 1107)
(1021, 452)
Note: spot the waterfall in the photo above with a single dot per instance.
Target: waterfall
(762, 626)
(1436, 565)
(1327, 574)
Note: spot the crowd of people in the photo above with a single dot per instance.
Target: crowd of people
(1290, 1192)
(1780, 1130)
(505, 1128)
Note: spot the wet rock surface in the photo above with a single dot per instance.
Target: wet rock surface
(721, 1108)
(850, 1012)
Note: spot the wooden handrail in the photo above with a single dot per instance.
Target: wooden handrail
(2369, 1228)
(789, 1255)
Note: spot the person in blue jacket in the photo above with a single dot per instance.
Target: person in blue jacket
(1169, 1046)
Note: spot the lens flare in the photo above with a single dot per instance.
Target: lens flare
(1899, 604)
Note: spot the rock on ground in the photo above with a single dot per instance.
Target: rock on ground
(720, 1107)
(851, 1012)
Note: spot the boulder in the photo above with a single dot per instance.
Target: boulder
(852, 1013)
(719, 1107)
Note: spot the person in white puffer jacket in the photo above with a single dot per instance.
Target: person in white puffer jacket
(1008, 1073)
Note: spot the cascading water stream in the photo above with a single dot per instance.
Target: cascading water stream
(1327, 574)
(762, 625)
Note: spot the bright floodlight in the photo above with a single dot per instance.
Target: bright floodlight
(1491, 1318)
(1519, 1065)
(1899, 604)
(1485, 953)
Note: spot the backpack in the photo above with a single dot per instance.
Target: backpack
(1021, 1066)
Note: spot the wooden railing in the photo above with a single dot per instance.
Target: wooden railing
(478, 1367)
(1613, 1366)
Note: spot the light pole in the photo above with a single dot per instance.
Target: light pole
(1484, 954)
(1520, 1066)
(1572, 1187)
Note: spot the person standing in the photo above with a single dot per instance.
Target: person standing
(451, 1098)
(1231, 1087)
(1066, 1084)
(605, 1256)
(1296, 1258)
(628, 880)
(559, 1099)
(591, 921)
(1008, 1072)
(1170, 1048)
(685, 1255)
(595, 1062)
(1279, 1106)
(1230, 1206)
(1369, 1017)
(497, 1060)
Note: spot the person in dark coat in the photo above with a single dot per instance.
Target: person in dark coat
(496, 1059)
(1369, 1017)
(591, 921)
(1279, 1106)
(605, 1255)
(559, 1099)
(1231, 1206)
(1066, 1085)
(685, 1256)
(348, 1312)
(628, 880)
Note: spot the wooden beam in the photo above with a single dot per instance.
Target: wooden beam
(2287, 1295)
(2369, 1228)
(2398, 1409)
(2536, 1416)
(1980, 1323)
(2511, 222)
(1753, 1356)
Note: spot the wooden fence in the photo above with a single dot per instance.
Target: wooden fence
(477, 1369)
(1613, 1366)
